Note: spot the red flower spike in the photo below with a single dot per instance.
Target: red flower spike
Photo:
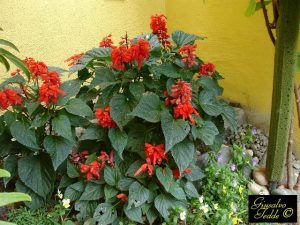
(140, 52)
(123, 197)
(106, 42)
(91, 170)
(3, 101)
(159, 28)
(120, 56)
(177, 174)
(13, 97)
(111, 158)
(50, 93)
(73, 60)
(84, 168)
(36, 68)
(188, 55)
(145, 167)
(155, 153)
(185, 111)
(104, 118)
(207, 69)
(181, 92)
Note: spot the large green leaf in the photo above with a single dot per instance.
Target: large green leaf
(36, 200)
(118, 140)
(37, 173)
(183, 154)
(72, 170)
(58, 148)
(74, 191)
(93, 133)
(124, 183)
(163, 203)
(62, 126)
(138, 195)
(12, 197)
(111, 176)
(165, 177)
(229, 115)
(211, 85)
(134, 214)
(99, 52)
(17, 79)
(71, 87)
(86, 210)
(110, 193)
(92, 191)
(136, 138)
(148, 108)
(119, 110)
(209, 103)
(207, 132)
(11, 165)
(177, 191)
(181, 38)
(174, 130)
(78, 107)
(5, 63)
(137, 89)
(40, 120)
(9, 44)
(251, 8)
(105, 214)
(167, 69)
(190, 190)
(21, 132)
(4, 173)
(151, 215)
(104, 78)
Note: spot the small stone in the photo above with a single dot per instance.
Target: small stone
(203, 161)
(250, 152)
(225, 154)
(296, 165)
(257, 189)
(283, 191)
(247, 171)
(260, 176)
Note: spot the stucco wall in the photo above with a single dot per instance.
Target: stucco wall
(52, 30)
(239, 46)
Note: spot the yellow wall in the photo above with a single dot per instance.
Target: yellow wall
(239, 46)
(53, 30)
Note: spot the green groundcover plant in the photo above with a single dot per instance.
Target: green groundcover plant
(120, 139)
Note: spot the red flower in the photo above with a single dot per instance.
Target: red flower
(35, 67)
(123, 197)
(185, 111)
(13, 97)
(140, 51)
(119, 57)
(188, 55)
(207, 69)
(177, 174)
(158, 26)
(155, 153)
(73, 60)
(3, 101)
(50, 93)
(106, 42)
(91, 170)
(51, 78)
(145, 167)
(17, 71)
(181, 92)
(104, 118)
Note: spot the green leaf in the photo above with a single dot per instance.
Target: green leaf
(5, 63)
(211, 85)
(134, 167)
(163, 203)
(58, 148)
(93, 133)
(119, 110)
(92, 191)
(181, 38)
(195, 175)
(104, 78)
(21, 132)
(134, 214)
(207, 132)
(209, 103)
(298, 62)
(6, 223)
(31, 107)
(177, 191)
(148, 108)
(136, 138)
(86, 210)
(12, 197)
(36, 200)
(99, 52)
(74, 191)
(72, 170)
(84, 74)
(111, 176)
(9, 44)
(78, 107)
(258, 4)
(11, 165)
(138, 195)
(174, 130)
(118, 140)
(37, 173)
(40, 120)
(251, 8)
(105, 214)
(183, 154)
(71, 88)
(65, 181)
(62, 126)
(17, 79)
(110, 192)
(151, 215)
(137, 89)
(4, 173)
(229, 115)
(167, 69)
(190, 190)
(124, 183)
(165, 177)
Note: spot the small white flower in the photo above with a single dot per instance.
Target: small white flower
(141, 79)
(59, 194)
(201, 198)
(13, 139)
(147, 36)
(121, 90)
(151, 75)
(66, 203)
(216, 206)
(234, 183)
(182, 215)
(204, 208)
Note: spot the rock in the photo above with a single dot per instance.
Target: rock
(203, 160)
(260, 176)
(250, 152)
(263, 160)
(240, 116)
(296, 165)
(283, 191)
(257, 189)
(247, 171)
(224, 155)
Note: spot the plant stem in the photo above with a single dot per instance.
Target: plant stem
(297, 97)
(268, 24)
(283, 84)
(290, 156)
